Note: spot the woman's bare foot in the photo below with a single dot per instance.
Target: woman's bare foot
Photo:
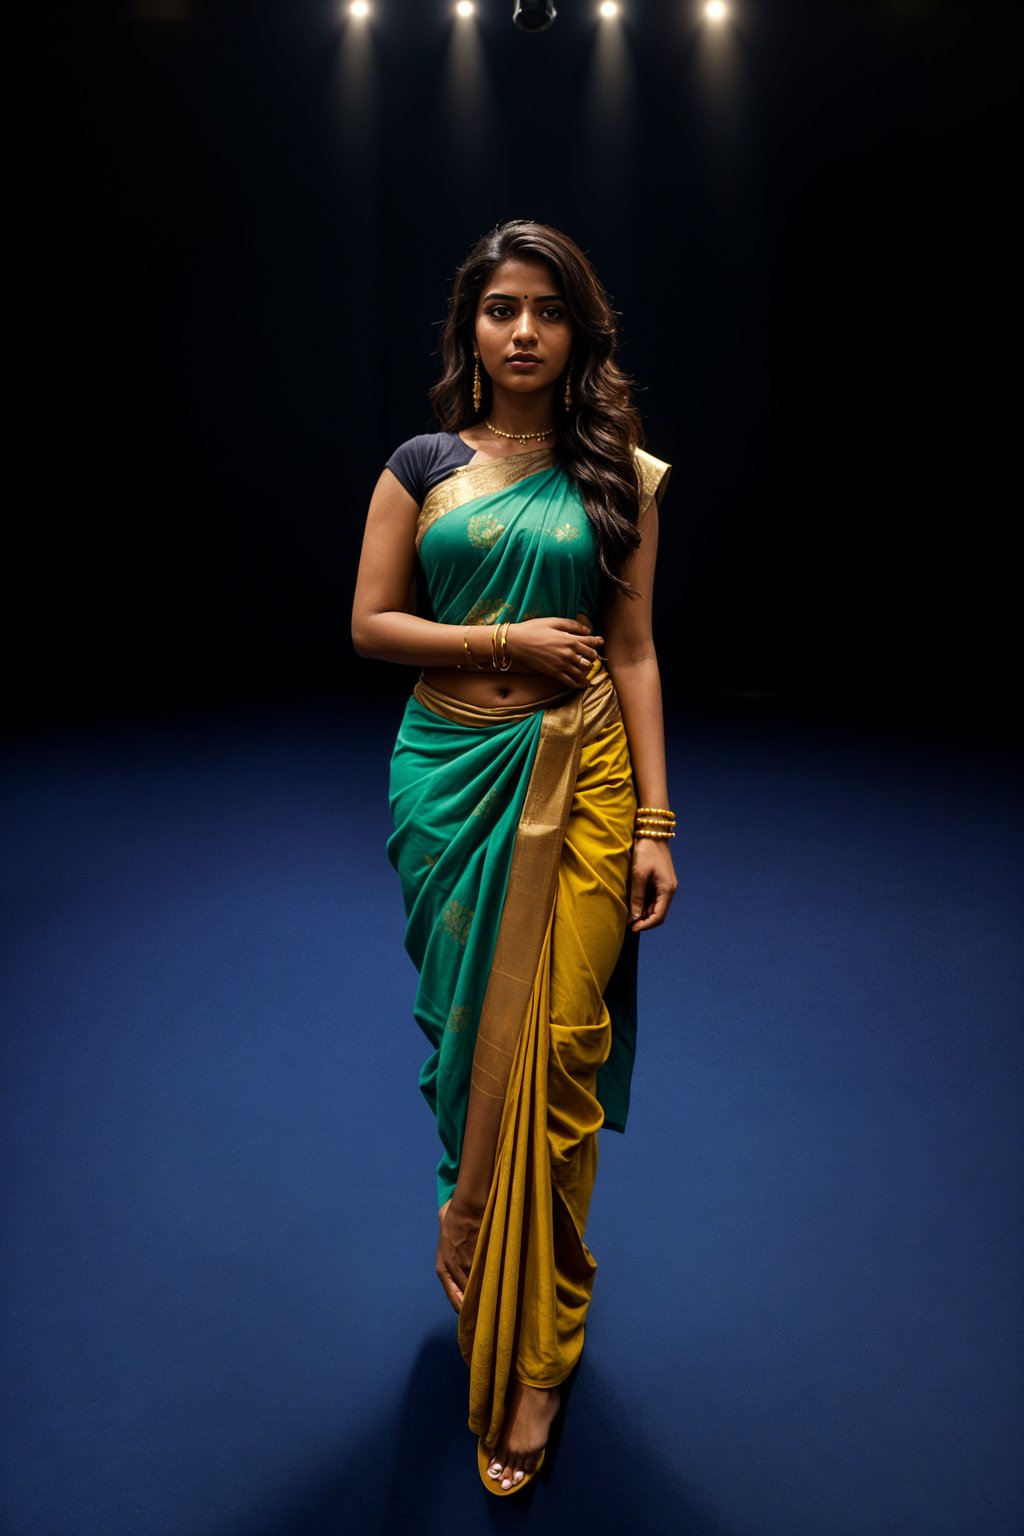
(456, 1244)
(528, 1421)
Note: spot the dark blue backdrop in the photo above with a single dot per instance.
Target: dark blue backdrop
(236, 226)
(232, 227)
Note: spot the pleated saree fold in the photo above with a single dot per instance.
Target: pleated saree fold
(544, 1033)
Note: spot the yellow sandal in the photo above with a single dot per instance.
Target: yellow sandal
(483, 1461)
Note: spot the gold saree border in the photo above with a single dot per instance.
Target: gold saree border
(533, 876)
(654, 477)
(600, 706)
(471, 481)
(478, 716)
(517, 1273)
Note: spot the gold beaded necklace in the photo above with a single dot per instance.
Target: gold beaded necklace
(519, 437)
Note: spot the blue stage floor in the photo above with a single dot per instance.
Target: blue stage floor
(220, 1312)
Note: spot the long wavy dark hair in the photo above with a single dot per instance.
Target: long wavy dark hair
(597, 435)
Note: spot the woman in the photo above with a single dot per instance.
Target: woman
(527, 867)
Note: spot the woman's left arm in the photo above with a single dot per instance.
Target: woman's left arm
(631, 659)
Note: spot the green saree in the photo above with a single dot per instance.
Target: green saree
(512, 837)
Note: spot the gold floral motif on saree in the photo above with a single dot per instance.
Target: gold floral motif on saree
(489, 610)
(459, 1018)
(458, 920)
(484, 530)
(485, 806)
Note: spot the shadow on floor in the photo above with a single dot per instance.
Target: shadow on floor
(416, 1471)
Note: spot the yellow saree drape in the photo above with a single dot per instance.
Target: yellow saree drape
(544, 1032)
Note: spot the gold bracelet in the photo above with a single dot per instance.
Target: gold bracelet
(465, 646)
(655, 810)
(494, 647)
(647, 832)
(505, 663)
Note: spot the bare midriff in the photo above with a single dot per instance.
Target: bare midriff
(494, 689)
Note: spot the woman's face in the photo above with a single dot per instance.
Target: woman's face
(521, 315)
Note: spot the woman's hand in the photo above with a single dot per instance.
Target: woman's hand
(565, 649)
(653, 885)
(456, 1245)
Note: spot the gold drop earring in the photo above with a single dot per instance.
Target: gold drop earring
(568, 388)
(478, 393)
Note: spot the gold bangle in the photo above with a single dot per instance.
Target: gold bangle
(655, 810)
(657, 836)
(465, 646)
(506, 661)
(494, 647)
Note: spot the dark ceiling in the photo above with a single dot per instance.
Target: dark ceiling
(235, 229)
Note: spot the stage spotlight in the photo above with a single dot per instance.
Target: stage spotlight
(715, 11)
(359, 9)
(534, 15)
(465, 8)
(608, 9)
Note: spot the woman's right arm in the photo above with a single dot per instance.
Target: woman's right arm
(382, 627)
